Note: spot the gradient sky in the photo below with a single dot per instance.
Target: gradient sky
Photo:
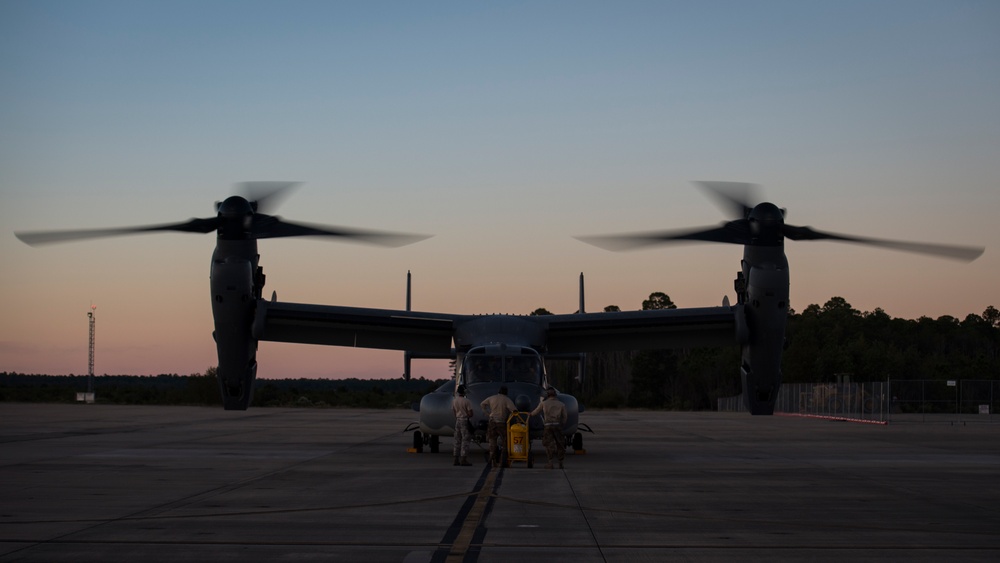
(503, 128)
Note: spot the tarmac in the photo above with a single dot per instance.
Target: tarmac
(133, 483)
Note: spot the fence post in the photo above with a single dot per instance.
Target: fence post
(923, 405)
(889, 397)
(958, 400)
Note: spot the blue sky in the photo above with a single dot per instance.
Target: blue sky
(503, 129)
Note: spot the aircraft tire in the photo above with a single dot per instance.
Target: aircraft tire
(435, 443)
(577, 441)
(418, 441)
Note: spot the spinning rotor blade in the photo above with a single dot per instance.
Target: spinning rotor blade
(238, 217)
(763, 224)
(266, 226)
(735, 198)
(955, 252)
(735, 232)
(35, 238)
(266, 195)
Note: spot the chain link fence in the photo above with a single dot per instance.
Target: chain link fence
(965, 400)
(952, 401)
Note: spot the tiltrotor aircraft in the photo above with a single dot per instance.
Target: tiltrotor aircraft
(491, 350)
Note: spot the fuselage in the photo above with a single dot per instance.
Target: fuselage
(483, 370)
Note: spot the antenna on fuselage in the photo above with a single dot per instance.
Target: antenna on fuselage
(406, 354)
(408, 278)
(582, 362)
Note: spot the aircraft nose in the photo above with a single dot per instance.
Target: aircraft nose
(523, 403)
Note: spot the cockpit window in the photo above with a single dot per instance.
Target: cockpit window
(524, 369)
(483, 369)
(489, 368)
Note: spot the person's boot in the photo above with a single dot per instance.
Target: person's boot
(456, 461)
(464, 461)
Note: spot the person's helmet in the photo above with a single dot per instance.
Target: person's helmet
(461, 390)
(503, 389)
(551, 391)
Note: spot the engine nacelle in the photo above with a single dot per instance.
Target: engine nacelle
(765, 315)
(233, 307)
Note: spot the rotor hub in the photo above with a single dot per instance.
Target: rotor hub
(237, 216)
(235, 206)
(765, 222)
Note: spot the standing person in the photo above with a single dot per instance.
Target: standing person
(498, 408)
(554, 415)
(462, 408)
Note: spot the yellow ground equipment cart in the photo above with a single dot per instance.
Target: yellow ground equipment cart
(518, 439)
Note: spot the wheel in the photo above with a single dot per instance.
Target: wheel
(577, 441)
(418, 441)
(836, 406)
(872, 405)
(435, 443)
(531, 460)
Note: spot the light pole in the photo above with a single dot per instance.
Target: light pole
(90, 363)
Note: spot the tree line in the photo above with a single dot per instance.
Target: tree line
(823, 343)
(203, 389)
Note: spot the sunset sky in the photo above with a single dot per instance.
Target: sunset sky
(502, 128)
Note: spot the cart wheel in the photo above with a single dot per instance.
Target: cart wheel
(435, 443)
(418, 441)
(531, 460)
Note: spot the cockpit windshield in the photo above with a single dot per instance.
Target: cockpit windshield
(523, 369)
(482, 367)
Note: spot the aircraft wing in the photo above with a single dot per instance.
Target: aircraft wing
(388, 329)
(635, 330)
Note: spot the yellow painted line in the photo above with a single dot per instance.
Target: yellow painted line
(464, 539)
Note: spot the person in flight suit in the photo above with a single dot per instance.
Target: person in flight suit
(498, 408)
(554, 416)
(462, 407)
